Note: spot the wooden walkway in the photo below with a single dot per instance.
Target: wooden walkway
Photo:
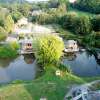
(25, 52)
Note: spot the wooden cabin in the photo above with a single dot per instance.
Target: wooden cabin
(26, 46)
(71, 46)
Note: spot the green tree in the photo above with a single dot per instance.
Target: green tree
(51, 16)
(96, 23)
(90, 40)
(48, 49)
(82, 25)
(89, 5)
(77, 24)
(62, 9)
(9, 24)
(16, 16)
(3, 14)
(3, 34)
(7, 52)
(24, 9)
(14, 45)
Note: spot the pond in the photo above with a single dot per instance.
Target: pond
(22, 68)
(83, 64)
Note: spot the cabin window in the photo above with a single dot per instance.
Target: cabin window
(71, 47)
(29, 44)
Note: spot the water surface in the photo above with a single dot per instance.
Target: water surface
(83, 64)
(24, 67)
(21, 68)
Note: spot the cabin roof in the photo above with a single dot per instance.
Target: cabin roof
(25, 41)
(70, 42)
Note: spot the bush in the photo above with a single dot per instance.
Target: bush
(45, 19)
(51, 16)
(65, 68)
(97, 38)
(14, 45)
(82, 25)
(16, 16)
(89, 40)
(79, 25)
(7, 52)
(97, 43)
(67, 21)
(3, 34)
(48, 49)
(9, 24)
(96, 23)
(92, 40)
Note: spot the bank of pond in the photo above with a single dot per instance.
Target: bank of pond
(24, 67)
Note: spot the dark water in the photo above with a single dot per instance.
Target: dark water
(83, 64)
(21, 68)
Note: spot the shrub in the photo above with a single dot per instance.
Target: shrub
(92, 40)
(16, 16)
(79, 25)
(9, 24)
(97, 43)
(48, 49)
(97, 38)
(51, 16)
(65, 68)
(67, 21)
(96, 23)
(46, 18)
(3, 34)
(82, 25)
(7, 52)
(14, 45)
(89, 40)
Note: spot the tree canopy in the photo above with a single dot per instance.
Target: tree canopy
(89, 5)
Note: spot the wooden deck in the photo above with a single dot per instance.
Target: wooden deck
(25, 52)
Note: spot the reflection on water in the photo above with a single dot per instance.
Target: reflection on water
(29, 59)
(70, 56)
(83, 64)
(5, 62)
(24, 67)
(97, 57)
(21, 68)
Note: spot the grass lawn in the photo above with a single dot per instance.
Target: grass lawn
(49, 85)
